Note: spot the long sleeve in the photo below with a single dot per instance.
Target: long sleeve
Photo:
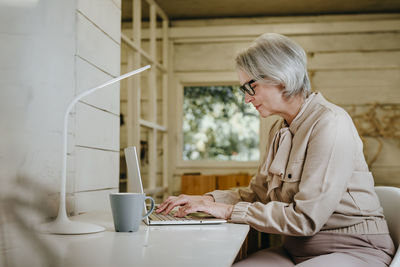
(256, 189)
(233, 196)
(324, 175)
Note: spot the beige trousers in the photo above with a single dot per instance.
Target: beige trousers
(326, 249)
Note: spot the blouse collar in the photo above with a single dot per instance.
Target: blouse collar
(302, 115)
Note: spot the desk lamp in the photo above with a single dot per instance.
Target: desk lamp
(63, 225)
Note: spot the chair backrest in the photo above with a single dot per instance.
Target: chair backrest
(389, 198)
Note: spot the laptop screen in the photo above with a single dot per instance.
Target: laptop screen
(132, 164)
(135, 179)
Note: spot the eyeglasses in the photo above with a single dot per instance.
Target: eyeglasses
(247, 88)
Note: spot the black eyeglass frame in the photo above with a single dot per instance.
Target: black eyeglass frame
(247, 88)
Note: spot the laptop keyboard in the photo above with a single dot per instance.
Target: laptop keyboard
(162, 217)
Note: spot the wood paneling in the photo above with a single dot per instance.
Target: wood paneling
(368, 41)
(201, 184)
(96, 169)
(88, 76)
(50, 53)
(357, 78)
(352, 60)
(294, 28)
(279, 20)
(347, 95)
(102, 131)
(202, 57)
(93, 200)
(96, 47)
(103, 13)
(117, 3)
(37, 81)
(198, 184)
(225, 182)
(357, 55)
(96, 117)
(355, 60)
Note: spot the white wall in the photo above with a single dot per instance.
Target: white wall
(50, 51)
(37, 79)
(96, 154)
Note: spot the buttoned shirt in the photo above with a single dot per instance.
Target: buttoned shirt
(313, 178)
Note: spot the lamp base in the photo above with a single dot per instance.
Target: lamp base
(68, 227)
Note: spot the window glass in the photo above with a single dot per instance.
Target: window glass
(219, 125)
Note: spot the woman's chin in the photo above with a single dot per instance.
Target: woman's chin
(264, 114)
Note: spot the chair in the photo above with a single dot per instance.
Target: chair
(389, 198)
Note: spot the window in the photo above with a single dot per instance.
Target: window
(219, 125)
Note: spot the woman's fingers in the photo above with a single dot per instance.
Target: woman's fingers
(172, 202)
(165, 204)
(162, 206)
(185, 210)
(192, 207)
(218, 210)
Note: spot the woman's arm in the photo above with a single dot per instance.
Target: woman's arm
(256, 186)
(219, 203)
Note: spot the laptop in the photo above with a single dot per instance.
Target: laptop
(135, 179)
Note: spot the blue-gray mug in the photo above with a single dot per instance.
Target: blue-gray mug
(127, 210)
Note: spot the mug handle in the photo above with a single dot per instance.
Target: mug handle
(151, 208)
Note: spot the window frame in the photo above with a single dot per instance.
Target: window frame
(203, 79)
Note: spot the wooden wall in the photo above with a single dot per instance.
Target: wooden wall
(50, 52)
(353, 60)
(97, 59)
(144, 112)
(201, 184)
(37, 78)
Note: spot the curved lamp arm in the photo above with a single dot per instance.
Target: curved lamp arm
(62, 225)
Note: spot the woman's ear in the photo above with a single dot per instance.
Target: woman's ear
(282, 88)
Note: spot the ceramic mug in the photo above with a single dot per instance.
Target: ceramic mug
(127, 210)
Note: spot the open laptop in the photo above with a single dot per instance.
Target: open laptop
(136, 186)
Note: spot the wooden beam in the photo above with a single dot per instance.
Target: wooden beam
(215, 78)
(133, 103)
(161, 12)
(165, 101)
(134, 46)
(152, 125)
(306, 28)
(152, 108)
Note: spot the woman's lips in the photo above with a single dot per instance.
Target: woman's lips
(258, 106)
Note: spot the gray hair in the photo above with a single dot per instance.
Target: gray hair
(277, 60)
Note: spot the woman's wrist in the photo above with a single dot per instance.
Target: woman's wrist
(209, 198)
(229, 212)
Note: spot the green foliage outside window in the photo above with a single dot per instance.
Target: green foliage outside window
(219, 125)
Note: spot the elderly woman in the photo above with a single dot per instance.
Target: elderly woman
(313, 185)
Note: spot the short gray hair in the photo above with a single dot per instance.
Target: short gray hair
(277, 60)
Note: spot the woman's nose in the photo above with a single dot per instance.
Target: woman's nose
(248, 98)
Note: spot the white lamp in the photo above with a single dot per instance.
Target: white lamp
(63, 225)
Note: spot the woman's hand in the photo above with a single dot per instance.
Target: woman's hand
(189, 204)
(218, 210)
(171, 202)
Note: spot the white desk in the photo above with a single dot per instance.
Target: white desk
(186, 245)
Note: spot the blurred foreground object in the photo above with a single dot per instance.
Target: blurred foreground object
(23, 207)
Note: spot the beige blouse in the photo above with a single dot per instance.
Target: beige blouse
(313, 178)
